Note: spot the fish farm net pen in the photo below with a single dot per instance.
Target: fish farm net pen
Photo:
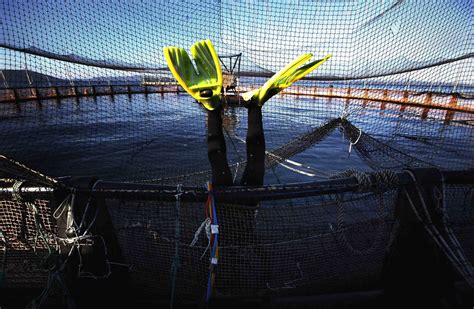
(206, 152)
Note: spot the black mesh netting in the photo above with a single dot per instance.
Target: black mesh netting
(276, 247)
(334, 242)
(23, 251)
(85, 91)
(393, 75)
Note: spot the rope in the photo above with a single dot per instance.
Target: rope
(175, 263)
(16, 190)
(378, 182)
(41, 233)
(452, 251)
(65, 204)
(237, 166)
(363, 179)
(378, 233)
(387, 178)
(343, 119)
(205, 225)
(449, 232)
(54, 276)
(81, 237)
(3, 259)
(380, 154)
(17, 168)
(369, 181)
(54, 271)
(86, 210)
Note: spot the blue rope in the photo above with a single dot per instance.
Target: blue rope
(208, 293)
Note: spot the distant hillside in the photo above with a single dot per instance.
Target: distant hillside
(19, 78)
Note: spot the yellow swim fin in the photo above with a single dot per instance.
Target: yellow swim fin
(284, 78)
(203, 82)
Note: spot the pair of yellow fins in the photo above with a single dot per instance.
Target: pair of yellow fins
(204, 81)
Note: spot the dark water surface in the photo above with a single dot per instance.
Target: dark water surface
(145, 137)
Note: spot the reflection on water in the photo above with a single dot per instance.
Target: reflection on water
(149, 136)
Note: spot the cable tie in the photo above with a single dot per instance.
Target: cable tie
(214, 261)
(214, 229)
(179, 191)
(354, 143)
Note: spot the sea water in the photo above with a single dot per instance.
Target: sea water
(142, 137)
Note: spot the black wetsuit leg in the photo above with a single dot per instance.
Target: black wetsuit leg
(238, 224)
(248, 239)
(216, 149)
(255, 168)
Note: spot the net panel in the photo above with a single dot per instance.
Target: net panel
(267, 33)
(272, 248)
(325, 244)
(24, 251)
(460, 216)
(413, 84)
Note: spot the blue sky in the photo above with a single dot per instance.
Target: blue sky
(365, 37)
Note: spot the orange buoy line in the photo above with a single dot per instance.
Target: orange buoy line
(430, 100)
